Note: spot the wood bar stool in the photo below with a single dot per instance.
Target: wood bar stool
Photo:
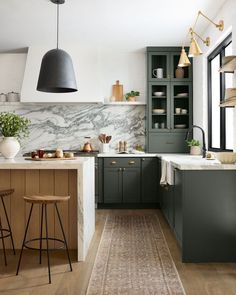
(6, 232)
(44, 201)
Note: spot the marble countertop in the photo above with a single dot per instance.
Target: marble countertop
(130, 155)
(21, 163)
(188, 162)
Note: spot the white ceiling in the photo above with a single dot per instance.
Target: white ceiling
(122, 24)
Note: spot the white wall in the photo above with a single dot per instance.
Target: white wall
(227, 13)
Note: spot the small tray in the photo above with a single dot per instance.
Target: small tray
(50, 159)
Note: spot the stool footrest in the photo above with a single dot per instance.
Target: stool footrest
(44, 239)
(4, 230)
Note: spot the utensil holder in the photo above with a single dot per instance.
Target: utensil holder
(105, 148)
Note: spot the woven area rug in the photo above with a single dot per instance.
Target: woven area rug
(133, 259)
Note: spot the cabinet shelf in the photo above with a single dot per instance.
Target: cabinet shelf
(159, 114)
(230, 66)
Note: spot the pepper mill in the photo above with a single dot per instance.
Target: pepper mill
(125, 146)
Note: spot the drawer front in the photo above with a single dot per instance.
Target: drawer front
(121, 162)
(167, 143)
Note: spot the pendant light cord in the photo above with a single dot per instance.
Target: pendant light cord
(57, 24)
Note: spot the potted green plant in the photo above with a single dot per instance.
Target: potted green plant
(13, 127)
(131, 96)
(195, 148)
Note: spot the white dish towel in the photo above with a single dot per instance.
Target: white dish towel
(167, 173)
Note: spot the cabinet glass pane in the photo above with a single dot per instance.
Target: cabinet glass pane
(159, 66)
(159, 107)
(181, 72)
(181, 106)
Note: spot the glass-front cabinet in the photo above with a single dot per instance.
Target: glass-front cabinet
(169, 110)
(163, 66)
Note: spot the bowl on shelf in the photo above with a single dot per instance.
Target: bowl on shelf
(180, 126)
(226, 157)
(158, 111)
(184, 94)
(158, 93)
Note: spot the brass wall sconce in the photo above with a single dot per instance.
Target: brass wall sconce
(194, 49)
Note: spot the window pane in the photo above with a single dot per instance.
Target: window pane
(215, 86)
(229, 49)
(229, 128)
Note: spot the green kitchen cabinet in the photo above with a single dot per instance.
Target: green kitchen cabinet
(113, 185)
(150, 180)
(166, 58)
(130, 182)
(169, 103)
(121, 180)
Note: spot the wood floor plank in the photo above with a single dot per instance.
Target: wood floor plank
(198, 279)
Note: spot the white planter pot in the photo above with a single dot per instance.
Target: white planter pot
(195, 150)
(9, 147)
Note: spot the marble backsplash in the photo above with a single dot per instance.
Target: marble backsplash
(65, 126)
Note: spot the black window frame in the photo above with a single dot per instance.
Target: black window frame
(220, 49)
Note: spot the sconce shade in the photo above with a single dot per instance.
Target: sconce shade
(183, 60)
(194, 49)
(57, 73)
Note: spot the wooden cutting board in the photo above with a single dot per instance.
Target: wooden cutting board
(117, 91)
(50, 159)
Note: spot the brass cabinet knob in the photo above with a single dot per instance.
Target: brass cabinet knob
(123, 169)
(131, 162)
(120, 169)
(113, 162)
(143, 159)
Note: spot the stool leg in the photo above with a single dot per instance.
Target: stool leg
(9, 226)
(41, 233)
(3, 244)
(46, 223)
(23, 243)
(63, 233)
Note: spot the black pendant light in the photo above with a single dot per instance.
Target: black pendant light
(57, 72)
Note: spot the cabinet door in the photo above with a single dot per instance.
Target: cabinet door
(112, 185)
(181, 106)
(159, 66)
(150, 180)
(159, 107)
(167, 142)
(131, 185)
(178, 206)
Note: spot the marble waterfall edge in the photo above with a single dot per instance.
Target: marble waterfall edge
(65, 126)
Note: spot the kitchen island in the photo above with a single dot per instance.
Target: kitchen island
(200, 207)
(54, 177)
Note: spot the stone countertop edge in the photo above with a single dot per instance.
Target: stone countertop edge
(21, 163)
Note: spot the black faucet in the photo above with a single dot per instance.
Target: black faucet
(203, 139)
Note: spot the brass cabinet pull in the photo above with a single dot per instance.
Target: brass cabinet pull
(113, 162)
(131, 162)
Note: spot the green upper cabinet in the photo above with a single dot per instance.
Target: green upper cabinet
(169, 103)
(163, 65)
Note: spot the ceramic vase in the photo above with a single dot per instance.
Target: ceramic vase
(195, 150)
(9, 147)
(105, 148)
(179, 73)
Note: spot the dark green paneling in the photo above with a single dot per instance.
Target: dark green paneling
(167, 142)
(112, 185)
(150, 180)
(131, 185)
